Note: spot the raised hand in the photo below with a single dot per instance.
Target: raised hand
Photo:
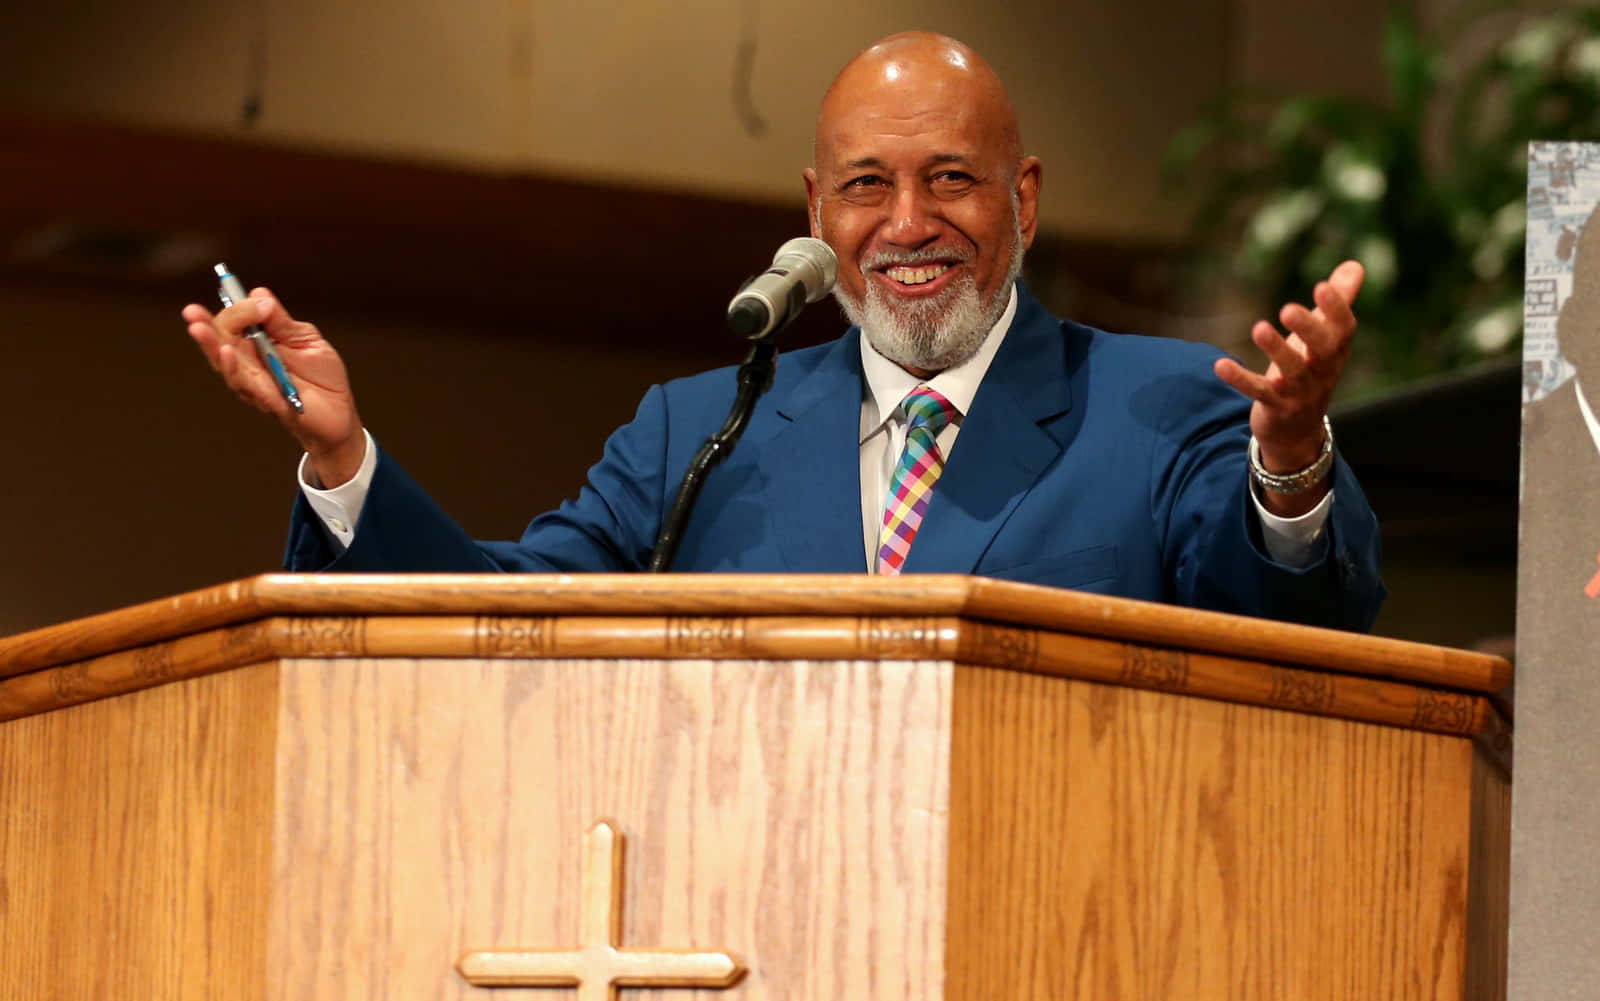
(330, 429)
(1292, 395)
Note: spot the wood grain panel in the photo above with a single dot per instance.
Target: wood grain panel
(1115, 843)
(134, 844)
(700, 595)
(793, 814)
(1489, 881)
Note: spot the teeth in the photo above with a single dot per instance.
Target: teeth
(916, 276)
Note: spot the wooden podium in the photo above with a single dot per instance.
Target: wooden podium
(300, 788)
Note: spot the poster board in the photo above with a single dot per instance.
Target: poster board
(1556, 802)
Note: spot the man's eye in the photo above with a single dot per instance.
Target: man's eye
(865, 181)
(953, 177)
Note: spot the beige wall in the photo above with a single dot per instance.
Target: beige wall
(641, 91)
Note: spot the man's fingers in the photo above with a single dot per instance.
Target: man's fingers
(1336, 314)
(221, 339)
(267, 312)
(271, 309)
(1334, 304)
(234, 320)
(1255, 386)
(282, 327)
(249, 380)
(1288, 361)
(206, 338)
(201, 331)
(1326, 331)
(1347, 279)
(273, 316)
(1293, 393)
(236, 371)
(1320, 338)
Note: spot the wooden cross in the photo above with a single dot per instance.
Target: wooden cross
(600, 965)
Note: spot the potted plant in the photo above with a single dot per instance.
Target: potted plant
(1426, 186)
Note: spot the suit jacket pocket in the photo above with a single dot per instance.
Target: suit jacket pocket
(1078, 568)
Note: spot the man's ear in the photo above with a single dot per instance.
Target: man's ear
(812, 195)
(1030, 175)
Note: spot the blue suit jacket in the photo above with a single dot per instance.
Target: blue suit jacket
(1103, 462)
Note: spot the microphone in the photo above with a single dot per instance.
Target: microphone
(803, 271)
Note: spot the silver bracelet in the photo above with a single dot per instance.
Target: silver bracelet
(1296, 482)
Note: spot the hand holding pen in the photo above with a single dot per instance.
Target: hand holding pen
(326, 422)
(230, 290)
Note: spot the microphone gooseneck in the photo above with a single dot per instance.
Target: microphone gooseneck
(803, 271)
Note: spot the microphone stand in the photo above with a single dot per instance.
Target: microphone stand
(755, 378)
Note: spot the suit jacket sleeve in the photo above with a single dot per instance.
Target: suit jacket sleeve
(610, 526)
(1216, 557)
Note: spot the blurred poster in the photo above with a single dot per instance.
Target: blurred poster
(1556, 802)
(1563, 191)
(1559, 556)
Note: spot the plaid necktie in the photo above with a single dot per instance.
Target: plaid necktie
(927, 413)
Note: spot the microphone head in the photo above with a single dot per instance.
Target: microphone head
(812, 261)
(749, 317)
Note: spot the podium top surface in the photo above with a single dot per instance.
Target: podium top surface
(974, 599)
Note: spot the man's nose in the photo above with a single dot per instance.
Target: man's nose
(913, 219)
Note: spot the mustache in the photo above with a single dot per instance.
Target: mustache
(911, 258)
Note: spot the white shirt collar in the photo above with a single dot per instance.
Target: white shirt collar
(888, 383)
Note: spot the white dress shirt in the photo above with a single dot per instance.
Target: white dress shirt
(1289, 541)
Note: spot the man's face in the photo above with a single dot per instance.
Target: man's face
(927, 207)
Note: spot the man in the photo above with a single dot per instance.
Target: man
(1109, 463)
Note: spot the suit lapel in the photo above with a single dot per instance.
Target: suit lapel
(811, 468)
(1005, 444)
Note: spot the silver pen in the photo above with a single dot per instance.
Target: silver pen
(230, 290)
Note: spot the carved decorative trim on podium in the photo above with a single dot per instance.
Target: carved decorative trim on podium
(1004, 646)
(702, 636)
(1302, 690)
(328, 637)
(723, 595)
(981, 644)
(1148, 667)
(879, 638)
(496, 636)
(1447, 711)
(600, 965)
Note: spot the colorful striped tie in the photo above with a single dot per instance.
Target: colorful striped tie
(927, 413)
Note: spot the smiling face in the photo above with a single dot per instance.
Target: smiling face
(920, 187)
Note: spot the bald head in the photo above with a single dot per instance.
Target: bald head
(920, 69)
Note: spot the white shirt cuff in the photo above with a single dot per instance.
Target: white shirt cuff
(340, 508)
(1292, 541)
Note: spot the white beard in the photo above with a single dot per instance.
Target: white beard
(930, 334)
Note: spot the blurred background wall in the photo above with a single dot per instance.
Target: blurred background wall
(511, 218)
